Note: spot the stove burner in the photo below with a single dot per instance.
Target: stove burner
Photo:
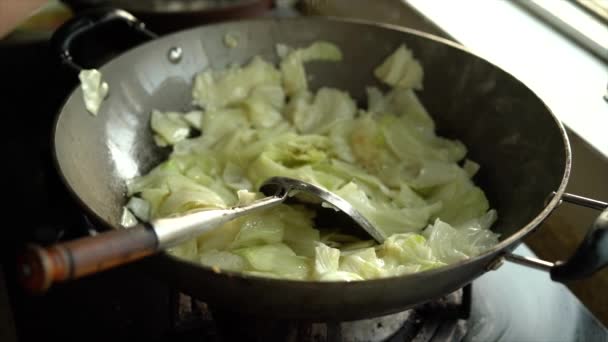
(441, 320)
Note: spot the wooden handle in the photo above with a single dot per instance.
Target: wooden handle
(40, 267)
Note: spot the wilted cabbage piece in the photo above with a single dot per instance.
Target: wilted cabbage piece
(327, 260)
(127, 219)
(401, 70)
(170, 127)
(292, 64)
(94, 89)
(139, 207)
(223, 260)
(261, 121)
(216, 89)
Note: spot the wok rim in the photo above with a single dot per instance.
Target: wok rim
(244, 5)
(499, 249)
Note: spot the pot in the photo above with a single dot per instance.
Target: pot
(522, 147)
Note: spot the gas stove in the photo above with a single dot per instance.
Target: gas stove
(512, 303)
(444, 319)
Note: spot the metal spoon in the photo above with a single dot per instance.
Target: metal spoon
(40, 267)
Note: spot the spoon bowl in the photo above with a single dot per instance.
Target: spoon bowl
(296, 187)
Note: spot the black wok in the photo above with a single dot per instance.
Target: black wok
(522, 148)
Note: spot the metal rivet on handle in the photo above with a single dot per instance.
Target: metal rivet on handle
(175, 54)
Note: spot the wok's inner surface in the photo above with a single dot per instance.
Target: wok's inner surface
(507, 129)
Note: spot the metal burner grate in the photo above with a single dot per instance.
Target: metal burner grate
(444, 319)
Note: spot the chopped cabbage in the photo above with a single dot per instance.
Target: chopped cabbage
(320, 50)
(340, 276)
(217, 89)
(234, 177)
(277, 259)
(169, 126)
(460, 200)
(220, 238)
(292, 65)
(139, 207)
(194, 118)
(223, 260)
(387, 218)
(221, 123)
(231, 40)
(260, 121)
(298, 232)
(403, 103)
(259, 230)
(409, 249)
(401, 70)
(94, 89)
(127, 219)
(160, 142)
(470, 167)
(375, 100)
(450, 244)
(364, 263)
(282, 50)
(329, 107)
(187, 250)
(327, 260)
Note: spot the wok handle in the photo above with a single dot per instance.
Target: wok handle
(38, 267)
(590, 256)
(86, 22)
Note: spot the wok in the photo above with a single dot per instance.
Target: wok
(522, 148)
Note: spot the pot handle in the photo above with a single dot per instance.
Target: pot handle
(86, 22)
(590, 256)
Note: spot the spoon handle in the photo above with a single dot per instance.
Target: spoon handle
(38, 267)
(174, 230)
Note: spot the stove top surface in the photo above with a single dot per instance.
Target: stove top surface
(511, 304)
(516, 303)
